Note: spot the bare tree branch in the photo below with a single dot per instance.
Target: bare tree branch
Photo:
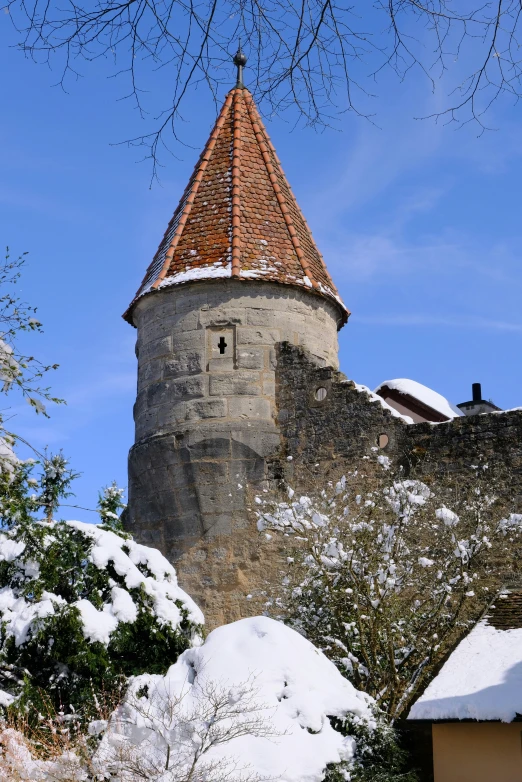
(313, 57)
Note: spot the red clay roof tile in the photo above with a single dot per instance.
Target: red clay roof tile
(238, 216)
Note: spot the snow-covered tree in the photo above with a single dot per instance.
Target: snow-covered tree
(81, 609)
(55, 481)
(110, 506)
(385, 579)
(19, 370)
(20, 373)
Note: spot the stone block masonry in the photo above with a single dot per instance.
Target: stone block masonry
(224, 398)
(330, 436)
(207, 425)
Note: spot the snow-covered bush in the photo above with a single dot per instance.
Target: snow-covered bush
(18, 764)
(110, 506)
(385, 580)
(256, 701)
(81, 607)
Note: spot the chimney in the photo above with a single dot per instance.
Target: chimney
(477, 392)
(477, 404)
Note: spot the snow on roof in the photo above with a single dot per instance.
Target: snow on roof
(423, 394)
(376, 398)
(482, 678)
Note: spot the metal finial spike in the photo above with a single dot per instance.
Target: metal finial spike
(240, 61)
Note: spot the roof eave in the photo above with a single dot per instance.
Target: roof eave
(344, 312)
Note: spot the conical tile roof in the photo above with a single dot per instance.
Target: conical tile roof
(238, 217)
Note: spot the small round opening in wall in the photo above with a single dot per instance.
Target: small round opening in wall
(383, 440)
(320, 393)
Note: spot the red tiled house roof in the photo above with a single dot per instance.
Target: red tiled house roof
(238, 217)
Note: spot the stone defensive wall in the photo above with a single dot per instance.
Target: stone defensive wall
(213, 429)
(328, 424)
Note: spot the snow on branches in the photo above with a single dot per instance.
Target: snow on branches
(383, 580)
(81, 606)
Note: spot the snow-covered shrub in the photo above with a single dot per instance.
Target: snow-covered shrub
(255, 702)
(110, 506)
(385, 580)
(81, 607)
(45, 755)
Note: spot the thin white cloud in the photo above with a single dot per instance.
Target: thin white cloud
(364, 257)
(420, 319)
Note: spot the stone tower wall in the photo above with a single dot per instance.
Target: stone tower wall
(206, 422)
(183, 378)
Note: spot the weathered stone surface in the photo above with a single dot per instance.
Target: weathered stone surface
(149, 372)
(337, 432)
(249, 408)
(222, 316)
(188, 387)
(269, 386)
(154, 348)
(239, 382)
(206, 408)
(259, 336)
(221, 365)
(205, 429)
(261, 317)
(250, 358)
(185, 362)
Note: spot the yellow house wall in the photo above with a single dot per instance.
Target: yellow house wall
(477, 752)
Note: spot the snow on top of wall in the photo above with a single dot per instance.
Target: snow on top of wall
(376, 398)
(481, 680)
(252, 660)
(423, 394)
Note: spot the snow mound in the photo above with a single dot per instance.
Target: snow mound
(270, 680)
(423, 394)
(481, 680)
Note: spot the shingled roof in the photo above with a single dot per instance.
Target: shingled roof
(238, 217)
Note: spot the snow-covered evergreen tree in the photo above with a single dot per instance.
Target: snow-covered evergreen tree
(110, 506)
(82, 607)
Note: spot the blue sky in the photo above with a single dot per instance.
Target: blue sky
(419, 225)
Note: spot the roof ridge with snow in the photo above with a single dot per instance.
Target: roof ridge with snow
(238, 217)
(423, 394)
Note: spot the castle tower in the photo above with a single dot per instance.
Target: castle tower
(236, 273)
